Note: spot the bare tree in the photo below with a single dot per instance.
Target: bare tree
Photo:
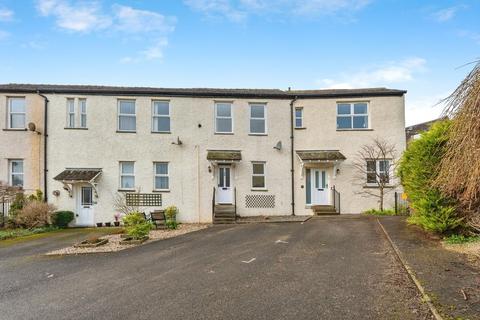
(121, 204)
(8, 192)
(374, 166)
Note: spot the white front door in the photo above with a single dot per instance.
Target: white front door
(225, 191)
(84, 217)
(319, 187)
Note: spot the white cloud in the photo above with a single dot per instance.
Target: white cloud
(447, 14)
(119, 20)
(6, 14)
(239, 10)
(390, 73)
(4, 35)
(475, 36)
(425, 108)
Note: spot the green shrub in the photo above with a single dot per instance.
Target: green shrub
(17, 205)
(376, 212)
(417, 170)
(15, 233)
(136, 225)
(460, 239)
(171, 217)
(61, 219)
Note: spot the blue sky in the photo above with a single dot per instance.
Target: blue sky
(303, 44)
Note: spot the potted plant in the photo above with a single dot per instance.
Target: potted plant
(171, 217)
(99, 224)
(108, 224)
(117, 216)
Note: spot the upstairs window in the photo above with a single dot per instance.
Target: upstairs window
(161, 116)
(378, 171)
(16, 113)
(83, 112)
(16, 173)
(223, 118)
(161, 176)
(258, 175)
(258, 122)
(352, 115)
(298, 117)
(127, 175)
(127, 117)
(70, 113)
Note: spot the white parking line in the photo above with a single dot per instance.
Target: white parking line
(249, 261)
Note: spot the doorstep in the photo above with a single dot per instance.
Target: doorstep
(450, 279)
(272, 219)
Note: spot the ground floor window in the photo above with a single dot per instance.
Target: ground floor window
(161, 176)
(258, 175)
(378, 171)
(16, 172)
(127, 175)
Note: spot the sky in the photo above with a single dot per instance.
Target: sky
(420, 46)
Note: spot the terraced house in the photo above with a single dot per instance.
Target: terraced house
(214, 153)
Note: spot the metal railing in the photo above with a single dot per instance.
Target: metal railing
(213, 203)
(402, 207)
(235, 200)
(336, 199)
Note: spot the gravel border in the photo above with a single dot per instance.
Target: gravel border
(114, 245)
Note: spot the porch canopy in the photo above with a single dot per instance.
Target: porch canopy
(320, 155)
(70, 176)
(224, 155)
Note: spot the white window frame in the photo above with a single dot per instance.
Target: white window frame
(351, 115)
(83, 112)
(11, 173)
(301, 117)
(223, 117)
(264, 175)
(121, 174)
(154, 116)
(126, 115)
(71, 113)
(264, 118)
(10, 113)
(155, 175)
(378, 172)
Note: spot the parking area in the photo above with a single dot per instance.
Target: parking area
(324, 268)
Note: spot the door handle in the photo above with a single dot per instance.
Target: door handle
(224, 188)
(86, 207)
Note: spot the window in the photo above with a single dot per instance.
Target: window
(161, 175)
(378, 171)
(258, 175)
(16, 173)
(298, 117)
(258, 119)
(223, 118)
(16, 113)
(161, 116)
(83, 112)
(70, 113)
(126, 116)
(352, 115)
(127, 175)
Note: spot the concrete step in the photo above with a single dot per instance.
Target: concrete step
(223, 221)
(225, 214)
(324, 210)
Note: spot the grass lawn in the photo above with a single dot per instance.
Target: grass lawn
(15, 233)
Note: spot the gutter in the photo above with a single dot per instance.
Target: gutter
(292, 153)
(45, 136)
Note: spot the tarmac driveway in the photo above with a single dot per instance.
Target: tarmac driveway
(325, 268)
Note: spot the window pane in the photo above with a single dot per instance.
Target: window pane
(360, 108)
(71, 105)
(161, 124)
(161, 182)
(343, 108)
(224, 110)
(161, 108)
(127, 123)
(360, 122)
(344, 122)
(17, 166)
(298, 113)
(383, 165)
(384, 178)
(17, 105)
(128, 182)
(161, 168)
(227, 177)
(257, 125)
(258, 168)
(371, 165)
(127, 107)
(83, 105)
(83, 121)
(298, 123)
(371, 178)
(17, 121)
(257, 111)
(224, 125)
(258, 182)
(17, 180)
(127, 167)
(71, 120)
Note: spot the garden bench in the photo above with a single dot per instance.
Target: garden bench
(158, 218)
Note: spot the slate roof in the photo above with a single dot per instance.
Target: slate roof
(320, 155)
(224, 155)
(197, 92)
(77, 174)
(410, 131)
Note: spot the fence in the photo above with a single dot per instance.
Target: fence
(4, 208)
(401, 204)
